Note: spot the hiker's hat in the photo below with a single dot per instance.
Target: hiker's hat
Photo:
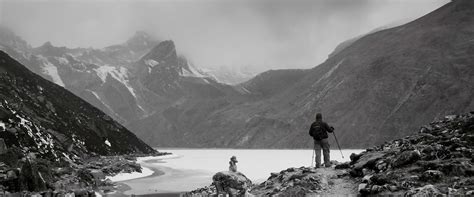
(233, 158)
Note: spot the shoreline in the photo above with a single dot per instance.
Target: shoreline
(148, 171)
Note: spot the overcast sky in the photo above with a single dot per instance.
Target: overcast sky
(258, 33)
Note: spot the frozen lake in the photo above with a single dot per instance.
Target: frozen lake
(188, 169)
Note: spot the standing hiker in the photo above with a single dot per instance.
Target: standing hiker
(319, 131)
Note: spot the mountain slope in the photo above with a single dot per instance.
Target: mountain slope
(379, 88)
(385, 83)
(41, 117)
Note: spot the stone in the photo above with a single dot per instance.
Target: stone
(226, 180)
(366, 171)
(432, 175)
(429, 190)
(354, 157)
(405, 158)
(376, 189)
(366, 179)
(344, 165)
(362, 186)
(393, 188)
(3, 147)
(368, 160)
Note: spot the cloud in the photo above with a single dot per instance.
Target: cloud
(241, 33)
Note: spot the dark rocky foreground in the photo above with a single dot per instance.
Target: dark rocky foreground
(35, 176)
(53, 141)
(436, 161)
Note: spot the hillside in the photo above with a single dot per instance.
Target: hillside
(42, 117)
(380, 87)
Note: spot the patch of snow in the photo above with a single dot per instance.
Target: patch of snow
(192, 72)
(119, 73)
(151, 63)
(98, 98)
(326, 75)
(52, 71)
(129, 176)
(2, 125)
(245, 90)
(108, 143)
(62, 60)
(103, 71)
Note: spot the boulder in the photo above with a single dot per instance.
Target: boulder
(226, 180)
(406, 158)
(427, 190)
(432, 175)
(368, 160)
(344, 165)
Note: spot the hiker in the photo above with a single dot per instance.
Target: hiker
(233, 164)
(319, 131)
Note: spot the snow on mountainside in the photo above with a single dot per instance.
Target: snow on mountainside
(40, 117)
(85, 72)
(52, 71)
(128, 81)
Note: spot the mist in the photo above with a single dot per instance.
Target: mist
(262, 34)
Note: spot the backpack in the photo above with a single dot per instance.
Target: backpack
(318, 132)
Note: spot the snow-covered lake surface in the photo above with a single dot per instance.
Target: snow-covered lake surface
(188, 169)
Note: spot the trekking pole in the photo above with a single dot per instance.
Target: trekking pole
(312, 158)
(338, 144)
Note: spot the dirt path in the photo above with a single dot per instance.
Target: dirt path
(337, 185)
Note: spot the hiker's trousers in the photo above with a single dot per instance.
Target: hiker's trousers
(318, 145)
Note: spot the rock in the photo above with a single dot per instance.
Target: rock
(380, 179)
(366, 171)
(405, 158)
(354, 157)
(376, 189)
(366, 179)
(3, 147)
(226, 180)
(427, 190)
(344, 165)
(392, 188)
(431, 176)
(368, 160)
(363, 188)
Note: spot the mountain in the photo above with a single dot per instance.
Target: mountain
(40, 117)
(376, 88)
(99, 76)
(380, 87)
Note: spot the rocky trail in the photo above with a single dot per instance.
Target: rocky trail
(338, 184)
(303, 181)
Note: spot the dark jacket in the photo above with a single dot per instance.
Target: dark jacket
(319, 130)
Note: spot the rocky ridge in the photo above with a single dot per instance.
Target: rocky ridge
(47, 134)
(436, 161)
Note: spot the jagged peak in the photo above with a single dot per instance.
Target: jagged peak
(47, 44)
(164, 50)
(141, 38)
